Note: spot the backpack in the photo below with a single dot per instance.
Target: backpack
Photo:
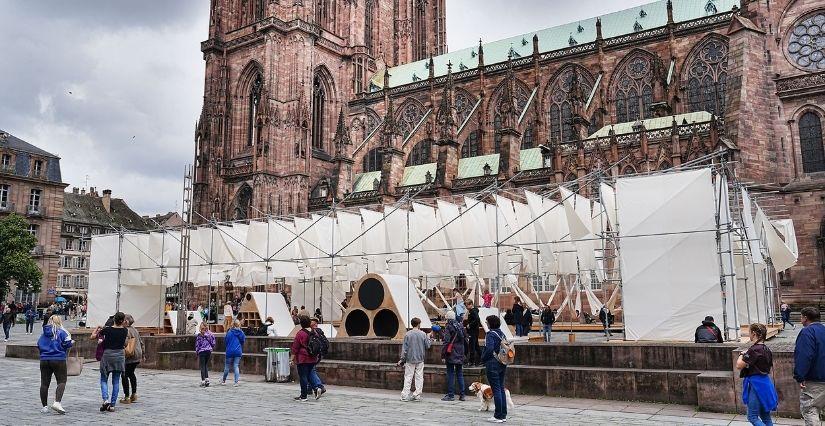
(506, 351)
(318, 345)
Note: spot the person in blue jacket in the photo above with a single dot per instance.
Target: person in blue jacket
(809, 366)
(758, 391)
(495, 369)
(234, 350)
(53, 345)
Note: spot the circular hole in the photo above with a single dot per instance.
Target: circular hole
(357, 323)
(371, 294)
(385, 323)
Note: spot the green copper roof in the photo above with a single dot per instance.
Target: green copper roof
(417, 175)
(366, 181)
(530, 159)
(474, 166)
(639, 18)
(654, 123)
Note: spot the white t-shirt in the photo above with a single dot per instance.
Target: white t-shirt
(270, 331)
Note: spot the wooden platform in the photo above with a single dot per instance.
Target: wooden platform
(744, 332)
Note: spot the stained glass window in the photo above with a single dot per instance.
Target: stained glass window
(707, 76)
(373, 160)
(421, 153)
(633, 88)
(472, 146)
(810, 139)
(560, 109)
(806, 43)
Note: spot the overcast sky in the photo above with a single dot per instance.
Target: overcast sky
(114, 87)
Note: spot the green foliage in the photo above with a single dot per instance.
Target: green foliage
(16, 263)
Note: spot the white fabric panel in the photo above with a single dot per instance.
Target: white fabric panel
(144, 303)
(498, 230)
(427, 235)
(592, 300)
(483, 313)
(102, 294)
(542, 226)
(229, 251)
(454, 235)
(528, 235)
(580, 223)
(781, 255)
(283, 249)
(608, 197)
(257, 237)
(273, 305)
(406, 299)
(670, 282)
(307, 245)
(750, 229)
(396, 222)
(750, 293)
(104, 253)
(786, 229)
(132, 260)
(479, 233)
(375, 240)
(559, 231)
(350, 228)
(158, 251)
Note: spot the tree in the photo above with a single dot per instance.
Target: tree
(16, 263)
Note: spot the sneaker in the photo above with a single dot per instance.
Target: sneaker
(315, 393)
(417, 398)
(323, 391)
(495, 420)
(461, 398)
(111, 409)
(45, 409)
(222, 382)
(448, 398)
(203, 384)
(125, 400)
(134, 397)
(58, 408)
(236, 384)
(206, 384)
(300, 398)
(104, 407)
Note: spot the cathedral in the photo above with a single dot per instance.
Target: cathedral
(358, 102)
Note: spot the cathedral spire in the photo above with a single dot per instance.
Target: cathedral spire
(446, 111)
(341, 139)
(509, 110)
(480, 54)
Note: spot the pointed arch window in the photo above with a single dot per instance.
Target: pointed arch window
(472, 146)
(411, 114)
(707, 73)
(810, 141)
(633, 88)
(373, 160)
(368, 25)
(561, 110)
(318, 106)
(420, 30)
(527, 137)
(252, 128)
(497, 134)
(421, 153)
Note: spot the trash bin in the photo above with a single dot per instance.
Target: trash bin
(277, 365)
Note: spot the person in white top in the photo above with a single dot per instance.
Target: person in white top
(227, 316)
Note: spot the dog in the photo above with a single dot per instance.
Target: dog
(485, 396)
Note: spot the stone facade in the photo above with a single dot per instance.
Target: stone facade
(298, 106)
(31, 186)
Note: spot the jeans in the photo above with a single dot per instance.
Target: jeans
(6, 328)
(786, 319)
(129, 377)
(29, 326)
(545, 330)
(203, 363)
(234, 361)
(812, 401)
(304, 371)
(495, 376)
(314, 379)
(757, 414)
(519, 329)
(104, 385)
(47, 368)
(454, 371)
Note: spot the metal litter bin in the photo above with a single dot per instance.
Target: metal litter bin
(277, 365)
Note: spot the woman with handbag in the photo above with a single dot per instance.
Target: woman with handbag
(53, 345)
(134, 355)
(452, 352)
(113, 360)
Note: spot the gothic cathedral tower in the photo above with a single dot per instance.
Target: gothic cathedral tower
(279, 73)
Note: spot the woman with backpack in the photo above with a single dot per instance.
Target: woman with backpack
(54, 346)
(452, 352)
(234, 351)
(301, 357)
(134, 355)
(495, 368)
(204, 344)
(113, 359)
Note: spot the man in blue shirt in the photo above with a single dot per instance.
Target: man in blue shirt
(809, 366)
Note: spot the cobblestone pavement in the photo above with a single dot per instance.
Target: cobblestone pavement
(168, 397)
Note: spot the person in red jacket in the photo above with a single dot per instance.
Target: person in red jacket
(300, 356)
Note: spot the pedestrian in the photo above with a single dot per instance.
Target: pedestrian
(518, 315)
(460, 308)
(604, 317)
(54, 346)
(267, 328)
(487, 298)
(31, 315)
(8, 320)
(191, 325)
(495, 369)
(303, 312)
(46, 316)
(301, 358)
(318, 388)
(548, 317)
(234, 340)
(294, 313)
(204, 345)
(809, 366)
(758, 392)
(508, 317)
(413, 353)
(227, 316)
(452, 352)
(473, 330)
(526, 322)
(318, 315)
(708, 332)
(785, 312)
(134, 355)
(113, 360)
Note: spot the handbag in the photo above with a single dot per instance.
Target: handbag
(129, 350)
(99, 351)
(74, 366)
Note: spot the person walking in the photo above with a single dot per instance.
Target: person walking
(604, 317)
(708, 332)
(191, 325)
(758, 392)
(113, 361)
(495, 369)
(413, 353)
(473, 330)
(518, 316)
(809, 366)
(318, 388)
(8, 321)
(547, 319)
(452, 352)
(54, 346)
(31, 315)
(785, 313)
(301, 358)
(234, 340)
(134, 355)
(204, 345)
